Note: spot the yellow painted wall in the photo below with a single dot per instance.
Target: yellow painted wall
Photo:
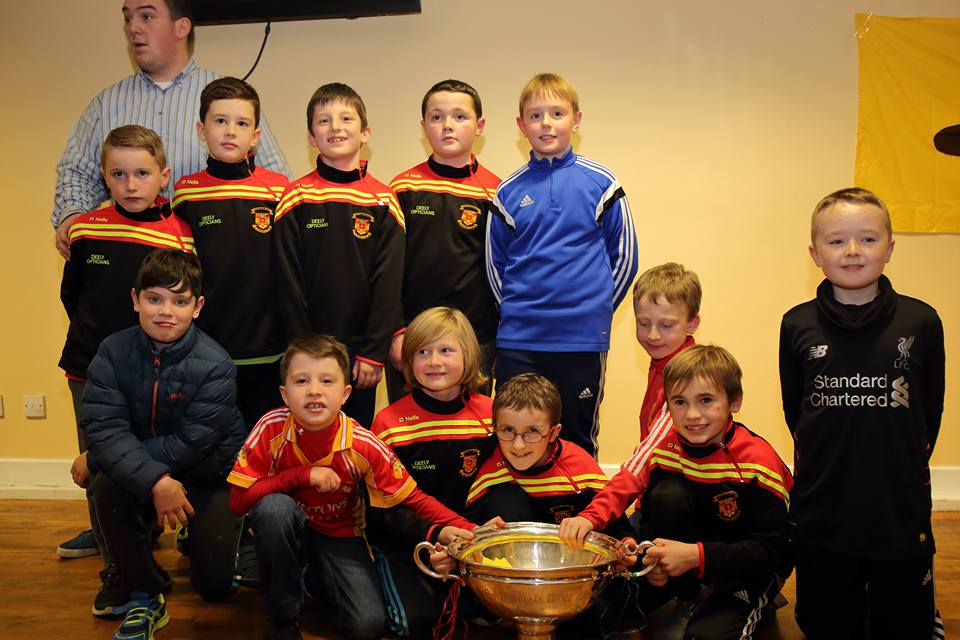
(725, 122)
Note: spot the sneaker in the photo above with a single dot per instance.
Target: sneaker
(111, 600)
(282, 631)
(82, 545)
(247, 571)
(146, 615)
(183, 540)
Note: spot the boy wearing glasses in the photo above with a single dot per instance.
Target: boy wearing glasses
(535, 476)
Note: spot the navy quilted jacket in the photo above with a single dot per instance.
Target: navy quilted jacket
(148, 412)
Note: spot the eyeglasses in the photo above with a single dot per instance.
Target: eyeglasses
(530, 437)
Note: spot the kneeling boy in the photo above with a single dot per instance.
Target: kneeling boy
(160, 416)
(717, 500)
(302, 474)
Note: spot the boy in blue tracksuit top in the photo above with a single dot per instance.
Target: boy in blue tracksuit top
(561, 254)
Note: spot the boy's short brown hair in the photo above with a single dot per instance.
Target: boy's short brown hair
(549, 84)
(317, 346)
(852, 195)
(432, 324)
(229, 88)
(336, 91)
(133, 136)
(673, 282)
(528, 391)
(171, 269)
(453, 86)
(709, 362)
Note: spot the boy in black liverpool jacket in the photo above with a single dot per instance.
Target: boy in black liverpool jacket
(161, 421)
(862, 377)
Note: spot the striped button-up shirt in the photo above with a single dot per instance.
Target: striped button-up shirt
(171, 111)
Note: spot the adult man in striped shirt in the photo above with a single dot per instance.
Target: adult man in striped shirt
(164, 96)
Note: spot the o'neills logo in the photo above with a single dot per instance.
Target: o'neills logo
(468, 217)
(262, 219)
(361, 225)
(860, 391)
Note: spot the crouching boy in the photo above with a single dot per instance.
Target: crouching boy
(306, 473)
(160, 417)
(715, 505)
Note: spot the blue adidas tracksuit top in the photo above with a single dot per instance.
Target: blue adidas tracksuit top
(561, 254)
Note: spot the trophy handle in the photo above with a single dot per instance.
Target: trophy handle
(632, 549)
(423, 567)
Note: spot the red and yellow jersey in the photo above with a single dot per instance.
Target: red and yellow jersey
(445, 209)
(571, 471)
(358, 457)
(106, 248)
(230, 209)
(338, 240)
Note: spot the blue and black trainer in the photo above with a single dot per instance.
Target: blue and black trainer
(82, 545)
(146, 615)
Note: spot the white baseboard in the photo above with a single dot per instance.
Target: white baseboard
(44, 479)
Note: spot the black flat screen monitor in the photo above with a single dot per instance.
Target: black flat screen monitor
(237, 11)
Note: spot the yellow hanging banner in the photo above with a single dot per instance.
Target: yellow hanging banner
(908, 128)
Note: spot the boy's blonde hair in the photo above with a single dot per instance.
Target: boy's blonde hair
(432, 324)
(549, 84)
(708, 362)
(673, 282)
(528, 391)
(852, 195)
(319, 347)
(133, 136)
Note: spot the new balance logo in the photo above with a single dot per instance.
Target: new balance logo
(527, 200)
(900, 396)
(586, 393)
(817, 352)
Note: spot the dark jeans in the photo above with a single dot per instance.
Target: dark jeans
(396, 388)
(126, 522)
(341, 570)
(362, 402)
(76, 392)
(258, 390)
(843, 596)
(579, 379)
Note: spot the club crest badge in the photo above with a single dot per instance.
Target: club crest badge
(561, 512)
(397, 469)
(468, 217)
(242, 457)
(361, 225)
(727, 507)
(468, 462)
(262, 219)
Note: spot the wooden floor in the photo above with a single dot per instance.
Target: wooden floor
(44, 597)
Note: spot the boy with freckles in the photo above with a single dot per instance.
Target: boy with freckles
(339, 246)
(862, 379)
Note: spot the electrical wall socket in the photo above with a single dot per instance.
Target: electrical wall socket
(34, 406)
